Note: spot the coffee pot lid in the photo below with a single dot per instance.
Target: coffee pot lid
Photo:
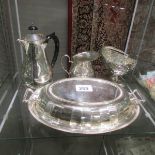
(33, 36)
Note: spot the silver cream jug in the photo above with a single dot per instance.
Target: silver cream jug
(81, 64)
(36, 70)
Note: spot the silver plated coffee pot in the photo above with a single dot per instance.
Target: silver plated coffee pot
(36, 70)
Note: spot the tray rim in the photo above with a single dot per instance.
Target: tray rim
(78, 131)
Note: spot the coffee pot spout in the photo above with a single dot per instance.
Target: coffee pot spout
(22, 42)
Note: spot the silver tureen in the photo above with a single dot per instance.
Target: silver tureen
(83, 105)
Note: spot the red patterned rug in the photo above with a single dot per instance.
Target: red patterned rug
(94, 23)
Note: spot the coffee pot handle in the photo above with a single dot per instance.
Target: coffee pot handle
(69, 60)
(56, 42)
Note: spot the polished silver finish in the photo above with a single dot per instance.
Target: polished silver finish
(83, 105)
(81, 65)
(118, 61)
(36, 69)
(35, 38)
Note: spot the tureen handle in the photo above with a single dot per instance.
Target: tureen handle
(27, 94)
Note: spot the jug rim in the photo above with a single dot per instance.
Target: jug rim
(87, 55)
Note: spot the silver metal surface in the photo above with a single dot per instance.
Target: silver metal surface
(33, 38)
(118, 61)
(36, 69)
(83, 105)
(81, 65)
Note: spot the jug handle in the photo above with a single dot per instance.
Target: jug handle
(69, 60)
(56, 42)
(116, 49)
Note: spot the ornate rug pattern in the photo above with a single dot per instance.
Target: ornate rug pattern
(95, 23)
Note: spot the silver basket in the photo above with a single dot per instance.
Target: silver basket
(118, 61)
